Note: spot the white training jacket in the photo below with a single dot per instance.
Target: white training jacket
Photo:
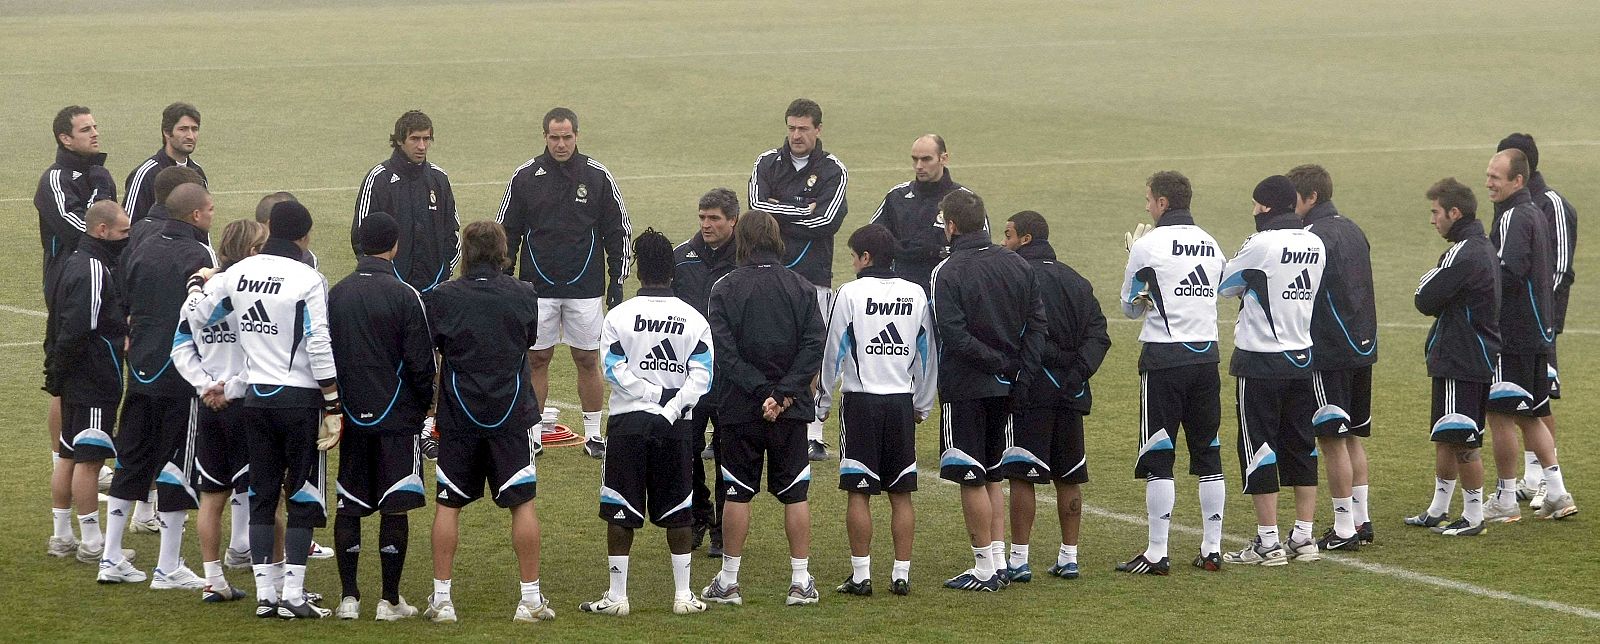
(206, 350)
(1275, 275)
(1181, 266)
(658, 355)
(279, 306)
(880, 341)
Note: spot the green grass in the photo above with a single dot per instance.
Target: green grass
(1063, 108)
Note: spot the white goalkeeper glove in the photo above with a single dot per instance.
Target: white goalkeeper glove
(329, 432)
(1130, 237)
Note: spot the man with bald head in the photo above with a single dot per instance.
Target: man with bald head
(156, 216)
(911, 209)
(264, 216)
(159, 410)
(1520, 395)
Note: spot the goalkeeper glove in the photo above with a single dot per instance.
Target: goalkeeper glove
(329, 432)
(1130, 237)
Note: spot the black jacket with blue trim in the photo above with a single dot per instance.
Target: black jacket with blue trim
(382, 350)
(155, 282)
(1077, 340)
(808, 203)
(483, 323)
(767, 335)
(911, 212)
(698, 267)
(1344, 321)
(87, 326)
(1521, 236)
(990, 320)
(1463, 294)
(564, 222)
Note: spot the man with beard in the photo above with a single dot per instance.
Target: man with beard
(180, 132)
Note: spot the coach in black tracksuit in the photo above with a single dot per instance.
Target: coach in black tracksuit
(559, 218)
(418, 197)
(140, 195)
(65, 192)
(910, 211)
(698, 267)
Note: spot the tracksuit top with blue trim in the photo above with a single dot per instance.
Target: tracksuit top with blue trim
(382, 349)
(1180, 265)
(1275, 275)
(911, 212)
(568, 228)
(991, 323)
(658, 355)
(1344, 320)
(206, 349)
(768, 334)
(155, 283)
(483, 323)
(87, 324)
(1527, 273)
(1562, 219)
(140, 193)
(808, 203)
(880, 341)
(1077, 339)
(65, 191)
(419, 198)
(1462, 293)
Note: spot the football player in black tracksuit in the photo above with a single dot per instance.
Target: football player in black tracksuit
(991, 331)
(1047, 435)
(911, 209)
(86, 330)
(416, 193)
(562, 212)
(483, 323)
(1344, 337)
(384, 357)
(180, 131)
(699, 263)
(1520, 395)
(156, 216)
(1563, 222)
(768, 335)
(803, 188)
(156, 436)
(1462, 293)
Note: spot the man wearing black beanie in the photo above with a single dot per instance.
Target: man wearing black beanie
(1275, 275)
(385, 362)
(279, 306)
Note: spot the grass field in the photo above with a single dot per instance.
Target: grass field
(1060, 107)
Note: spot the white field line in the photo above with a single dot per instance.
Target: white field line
(1220, 156)
(1386, 570)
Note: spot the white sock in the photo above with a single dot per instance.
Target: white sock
(89, 527)
(730, 570)
(618, 567)
(277, 576)
(680, 574)
(266, 587)
(997, 552)
(441, 591)
(239, 537)
(901, 570)
(1344, 522)
(145, 510)
(1532, 472)
(1472, 505)
(1159, 495)
(1358, 504)
(61, 518)
(1555, 484)
(1268, 534)
(860, 568)
(1506, 492)
(1019, 555)
(294, 584)
(814, 431)
(1302, 531)
(983, 564)
(171, 540)
(591, 424)
(1067, 554)
(214, 576)
(799, 570)
(117, 514)
(1443, 489)
(1213, 496)
(530, 591)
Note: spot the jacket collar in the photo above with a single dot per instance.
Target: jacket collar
(375, 265)
(1536, 183)
(282, 248)
(650, 291)
(1277, 220)
(711, 256)
(165, 160)
(1319, 212)
(966, 241)
(816, 156)
(760, 257)
(157, 211)
(884, 272)
(569, 167)
(941, 186)
(74, 161)
(1464, 228)
(180, 229)
(1516, 199)
(399, 163)
(479, 271)
(98, 249)
(1176, 217)
(1038, 250)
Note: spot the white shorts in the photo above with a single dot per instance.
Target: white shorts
(574, 322)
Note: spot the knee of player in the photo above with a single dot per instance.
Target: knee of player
(1466, 454)
(539, 359)
(586, 359)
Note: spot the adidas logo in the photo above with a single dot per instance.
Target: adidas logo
(116, 513)
(89, 521)
(619, 515)
(616, 569)
(663, 358)
(1197, 284)
(888, 343)
(1166, 517)
(443, 494)
(731, 490)
(969, 476)
(389, 550)
(861, 484)
(1214, 517)
(218, 333)
(233, 502)
(355, 549)
(76, 174)
(257, 321)
(1522, 405)
(1033, 471)
(539, 172)
(1300, 288)
(1340, 511)
(394, 178)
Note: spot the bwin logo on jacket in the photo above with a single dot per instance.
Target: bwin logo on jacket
(888, 343)
(255, 319)
(1196, 284)
(1300, 288)
(1201, 249)
(663, 358)
(672, 325)
(269, 286)
(901, 306)
(218, 333)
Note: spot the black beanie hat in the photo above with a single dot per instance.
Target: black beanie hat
(1522, 142)
(289, 220)
(378, 233)
(1276, 193)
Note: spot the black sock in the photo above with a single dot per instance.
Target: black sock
(296, 545)
(347, 550)
(261, 542)
(394, 530)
